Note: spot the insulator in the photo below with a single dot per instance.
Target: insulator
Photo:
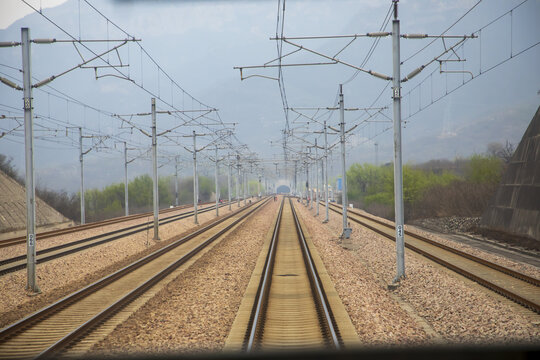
(379, 75)
(43, 41)
(378, 34)
(415, 36)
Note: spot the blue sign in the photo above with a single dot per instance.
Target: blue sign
(338, 184)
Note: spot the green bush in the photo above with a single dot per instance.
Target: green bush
(140, 192)
(371, 186)
(109, 201)
(484, 169)
(436, 188)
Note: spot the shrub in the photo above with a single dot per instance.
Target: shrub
(484, 169)
(459, 198)
(431, 189)
(66, 204)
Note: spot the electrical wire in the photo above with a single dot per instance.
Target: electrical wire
(143, 50)
(465, 82)
(444, 32)
(122, 75)
(373, 44)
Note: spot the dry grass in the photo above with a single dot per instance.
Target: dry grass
(460, 198)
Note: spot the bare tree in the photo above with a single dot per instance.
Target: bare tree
(501, 151)
(6, 165)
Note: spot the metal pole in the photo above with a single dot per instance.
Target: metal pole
(31, 283)
(155, 172)
(217, 184)
(83, 217)
(238, 185)
(321, 162)
(326, 171)
(307, 183)
(335, 180)
(126, 194)
(245, 185)
(259, 186)
(346, 230)
(195, 180)
(376, 154)
(176, 181)
(311, 188)
(398, 170)
(229, 185)
(317, 176)
(302, 193)
(295, 185)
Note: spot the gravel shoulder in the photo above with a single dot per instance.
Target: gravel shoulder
(194, 313)
(466, 230)
(431, 306)
(17, 250)
(524, 268)
(60, 277)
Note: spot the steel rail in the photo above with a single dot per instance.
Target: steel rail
(89, 242)
(264, 287)
(51, 233)
(87, 326)
(510, 294)
(316, 282)
(256, 320)
(490, 264)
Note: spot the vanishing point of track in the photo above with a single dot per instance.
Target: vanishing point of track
(58, 326)
(521, 288)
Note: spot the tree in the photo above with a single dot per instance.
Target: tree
(501, 151)
(206, 188)
(140, 192)
(166, 196)
(7, 167)
(484, 169)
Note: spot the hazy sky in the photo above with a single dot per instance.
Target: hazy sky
(13, 10)
(199, 42)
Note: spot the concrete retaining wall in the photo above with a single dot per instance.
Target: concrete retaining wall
(515, 208)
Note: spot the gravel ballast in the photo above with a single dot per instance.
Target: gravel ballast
(41, 244)
(432, 305)
(195, 312)
(451, 224)
(524, 268)
(62, 276)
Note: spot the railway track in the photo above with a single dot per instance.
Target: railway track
(19, 262)
(521, 288)
(52, 330)
(290, 308)
(52, 233)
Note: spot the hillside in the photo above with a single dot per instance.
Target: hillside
(13, 208)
